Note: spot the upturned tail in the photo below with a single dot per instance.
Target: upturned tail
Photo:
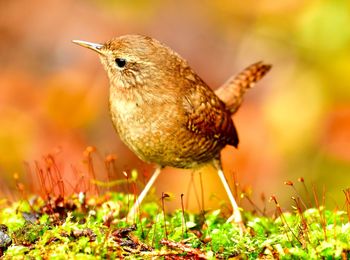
(232, 92)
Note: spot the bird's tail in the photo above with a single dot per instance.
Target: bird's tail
(231, 93)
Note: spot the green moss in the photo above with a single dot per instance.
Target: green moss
(98, 229)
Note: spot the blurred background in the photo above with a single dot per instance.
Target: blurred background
(295, 123)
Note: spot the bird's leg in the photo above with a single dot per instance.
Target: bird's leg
(236, 215)
(136, 206)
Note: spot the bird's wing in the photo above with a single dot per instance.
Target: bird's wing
(206, 115)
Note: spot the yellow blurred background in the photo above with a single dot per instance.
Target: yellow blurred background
(296, 122)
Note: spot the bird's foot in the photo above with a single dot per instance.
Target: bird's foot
(237, 219)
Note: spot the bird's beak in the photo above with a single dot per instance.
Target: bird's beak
(90, 45)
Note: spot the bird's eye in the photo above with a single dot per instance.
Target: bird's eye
(120, 62)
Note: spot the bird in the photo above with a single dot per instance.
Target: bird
(165, 113)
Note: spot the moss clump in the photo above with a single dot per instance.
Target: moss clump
(65, 228)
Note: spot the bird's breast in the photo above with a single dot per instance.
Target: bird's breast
(157, 133)
(146, 129)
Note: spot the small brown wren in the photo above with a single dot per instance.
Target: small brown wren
(164, 112)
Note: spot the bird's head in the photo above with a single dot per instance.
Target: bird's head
(137, 61)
